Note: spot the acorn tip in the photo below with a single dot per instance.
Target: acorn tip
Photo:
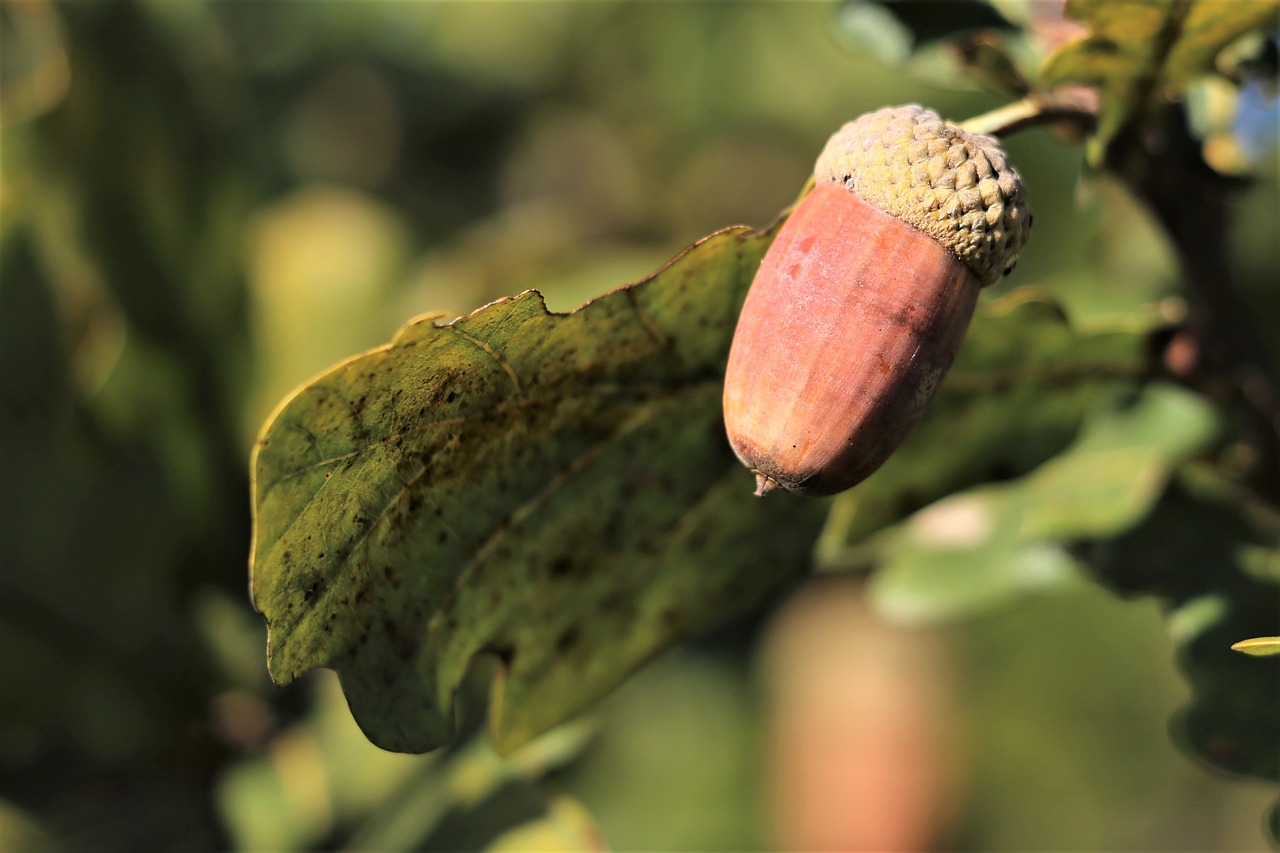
(764, 484)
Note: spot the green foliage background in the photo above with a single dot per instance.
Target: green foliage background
(204, 205)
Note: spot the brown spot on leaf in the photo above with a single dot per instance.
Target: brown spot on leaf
(567, 639)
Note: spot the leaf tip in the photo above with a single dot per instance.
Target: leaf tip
(1258, 646)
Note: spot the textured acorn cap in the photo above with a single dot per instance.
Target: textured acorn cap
(955, 186)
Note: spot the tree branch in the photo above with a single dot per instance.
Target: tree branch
(1036, 111)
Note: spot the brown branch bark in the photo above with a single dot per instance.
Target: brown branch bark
(1165, 171)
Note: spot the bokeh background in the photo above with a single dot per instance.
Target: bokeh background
(203, 204)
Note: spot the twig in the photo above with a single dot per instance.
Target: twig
(1035, 111)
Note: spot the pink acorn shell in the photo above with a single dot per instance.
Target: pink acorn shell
(862, 301)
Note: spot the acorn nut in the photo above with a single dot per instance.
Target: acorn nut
(861, 302)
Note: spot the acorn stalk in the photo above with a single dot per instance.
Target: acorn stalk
(862, 301)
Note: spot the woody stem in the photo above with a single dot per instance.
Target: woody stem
(1033, 111)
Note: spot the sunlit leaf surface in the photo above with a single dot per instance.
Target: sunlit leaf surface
(1259, 646)
(553, 489)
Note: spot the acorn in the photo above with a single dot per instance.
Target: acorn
(861, 302)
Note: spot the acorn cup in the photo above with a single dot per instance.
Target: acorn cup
(861, 302)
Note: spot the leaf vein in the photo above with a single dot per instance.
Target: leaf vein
(641, 390)
(646, 320)
(493, 354)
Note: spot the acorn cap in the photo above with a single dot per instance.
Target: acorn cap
(955, 186)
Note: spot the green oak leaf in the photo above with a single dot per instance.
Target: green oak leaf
(1210, 550)
(1139, 53)
(552, 489)
(986, 544)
